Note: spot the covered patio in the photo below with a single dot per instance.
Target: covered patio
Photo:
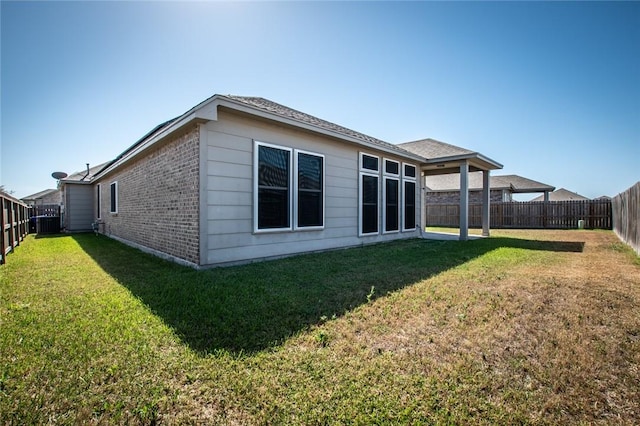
(443, 158)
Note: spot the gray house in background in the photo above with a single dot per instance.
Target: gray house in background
(238, 179)
(562, 195)
(46, 197)
(77, 196)
(445, 189)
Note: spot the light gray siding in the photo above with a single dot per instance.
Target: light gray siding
(227, 232)
(78, 207)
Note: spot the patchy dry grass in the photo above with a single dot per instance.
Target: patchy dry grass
(525, 327)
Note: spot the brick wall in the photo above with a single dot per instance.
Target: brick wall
(52, 198)
(451, 197)
(158, 198)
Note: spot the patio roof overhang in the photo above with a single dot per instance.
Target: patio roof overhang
(446, 165)
(464, 164)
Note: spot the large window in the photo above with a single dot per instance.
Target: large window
(276, 204)
(369, 194)
(409, 197)
(274, 181)
(391, 196)
(398, 192)
(113, 208)
(310, 190)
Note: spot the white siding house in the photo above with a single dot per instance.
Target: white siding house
(239, 179)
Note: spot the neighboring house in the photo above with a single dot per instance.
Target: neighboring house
(237, 179)
(445, 189)
(562, 195)
(42, 198)
(78, 199)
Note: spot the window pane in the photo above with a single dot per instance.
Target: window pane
(391, 204)
(98, 201)
(273, 167)
(273, 188)
(114, 206)
(369, 190)
(273, 208)
(310, 190)
(309, 171)
(370, 163)
(310, 208)
(409, 205)
(369, 204)
(391, 167)
(409, 171)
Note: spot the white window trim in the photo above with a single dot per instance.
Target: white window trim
(115, 185)
(361, 166)
(404, 191)
(256, 157)
(399, 209)
(384, 167)
(296, 195)
(373, 173)
(413, 179)
(396, 177)
(361, 203)
(404, 176)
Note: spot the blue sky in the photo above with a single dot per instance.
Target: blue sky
(551, 90)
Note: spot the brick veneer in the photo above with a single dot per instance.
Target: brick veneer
(158, 198)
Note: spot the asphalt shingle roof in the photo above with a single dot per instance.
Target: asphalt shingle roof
(82, 174)
(431, 148)
(515, 183)
(39, 194)
(562, 195)
(284, 111)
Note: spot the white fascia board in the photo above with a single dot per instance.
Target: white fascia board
(75, 182)
(485, 162)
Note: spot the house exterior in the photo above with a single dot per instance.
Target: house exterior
(43, 198)
(562, 195)
(445, 189)
(77, 191)
(239, 179)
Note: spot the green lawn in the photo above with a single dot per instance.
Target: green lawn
(524, 327)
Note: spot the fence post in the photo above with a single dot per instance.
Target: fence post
(4, 233)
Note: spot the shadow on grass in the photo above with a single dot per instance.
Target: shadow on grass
(246, 309)
(48, 235)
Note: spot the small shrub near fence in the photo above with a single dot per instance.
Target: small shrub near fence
(14, 222)
(594, 214)
(626, 216)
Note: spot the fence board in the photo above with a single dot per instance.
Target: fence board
(14, 223)
(596, 214)
(626, 216)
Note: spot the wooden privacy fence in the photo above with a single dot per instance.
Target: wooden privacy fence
(626, 216)
(590, 214)
(14, 222)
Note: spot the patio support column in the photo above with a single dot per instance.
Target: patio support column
(464, 201)
(486, 199)
(423, 204)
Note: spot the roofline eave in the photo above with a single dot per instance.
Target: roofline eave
(242, 107)
(207, 110)
(486, 162)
